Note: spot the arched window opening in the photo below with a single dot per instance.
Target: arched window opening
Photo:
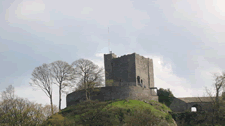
(196, 108)
(138, 79)
(193, 109)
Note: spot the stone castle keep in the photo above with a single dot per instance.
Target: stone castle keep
(129, 70)
(133, 78)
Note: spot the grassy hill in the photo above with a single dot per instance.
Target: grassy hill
(119, 112)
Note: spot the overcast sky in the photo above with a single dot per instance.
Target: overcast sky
(185, 39)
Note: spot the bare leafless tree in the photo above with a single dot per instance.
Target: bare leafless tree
(41, 78)
(219, 83)
(64, 76)
(215, 97)
(90, 75)
(9, 93)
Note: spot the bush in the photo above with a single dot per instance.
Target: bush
(165, 96)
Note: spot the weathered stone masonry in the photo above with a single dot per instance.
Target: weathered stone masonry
(126, 70)
(183, 104)
(112, 93)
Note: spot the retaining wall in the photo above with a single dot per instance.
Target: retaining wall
(111, 93)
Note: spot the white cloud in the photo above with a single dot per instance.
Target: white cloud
(184, 87)
(104, 13)
(99, 61)
(31, 7)
(101, 55)
(86, 10)
(34, 10)
(165, 78)
(3, 47)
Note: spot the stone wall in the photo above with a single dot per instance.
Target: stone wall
(182, 104)
(144, 69)
(123, 70)
(120, 69)
(203, 105)
(112, 92)
(178, 105)
(151, 73)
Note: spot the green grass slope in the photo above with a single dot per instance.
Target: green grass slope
(119, 112)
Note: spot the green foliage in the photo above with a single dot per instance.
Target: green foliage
(165, 96)
(169, 118)
(142, 117)
(201, 118)
(119, 112)
(19, 111)
(58, 120)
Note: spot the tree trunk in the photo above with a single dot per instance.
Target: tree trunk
(51, 104)
(217, 105)
(60, 88)
(85, 83)
(86, 93)
(89, 95)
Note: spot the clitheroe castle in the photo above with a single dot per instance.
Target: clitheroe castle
(133, 78)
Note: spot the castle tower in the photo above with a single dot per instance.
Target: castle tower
(129, 70)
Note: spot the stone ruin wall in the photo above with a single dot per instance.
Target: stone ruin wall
(112, 92)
